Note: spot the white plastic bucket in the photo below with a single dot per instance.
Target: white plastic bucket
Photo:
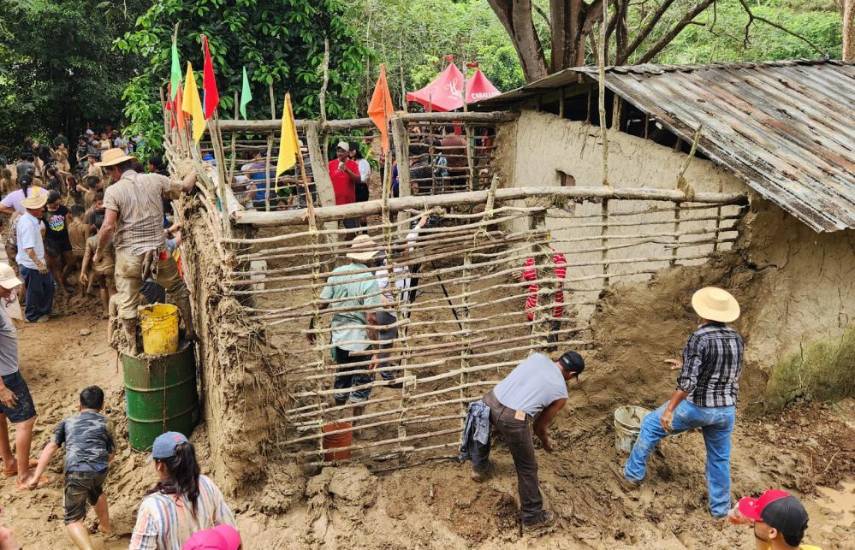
(627, 426)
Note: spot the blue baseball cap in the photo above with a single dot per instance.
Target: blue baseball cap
(164, 445)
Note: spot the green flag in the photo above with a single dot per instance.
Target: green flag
(175, 77)
(245, 95)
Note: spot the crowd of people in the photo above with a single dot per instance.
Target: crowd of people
(110, 231)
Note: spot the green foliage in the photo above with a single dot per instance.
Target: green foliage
(57, 67)
(280, 43)
(820, 372)
(721, 33)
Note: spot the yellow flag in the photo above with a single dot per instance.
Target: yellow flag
(288, 146)
(192, 105)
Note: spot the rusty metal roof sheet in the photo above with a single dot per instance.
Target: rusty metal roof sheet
(786, 128)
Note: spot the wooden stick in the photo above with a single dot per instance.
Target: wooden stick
(332, 126)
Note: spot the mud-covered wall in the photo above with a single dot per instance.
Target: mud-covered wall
(238, 393)
(544, 144)
(807, 288)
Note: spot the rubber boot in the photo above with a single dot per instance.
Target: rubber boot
(129, 327)
(187, 317)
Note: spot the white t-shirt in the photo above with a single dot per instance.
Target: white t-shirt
(532, 386)
(29, 233)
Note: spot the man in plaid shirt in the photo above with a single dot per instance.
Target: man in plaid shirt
(705, 397)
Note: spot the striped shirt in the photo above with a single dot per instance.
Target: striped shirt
(165, 522)
(712, 363)
(530, 274)
(138, 199)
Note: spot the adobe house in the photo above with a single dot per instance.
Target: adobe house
(783, 132)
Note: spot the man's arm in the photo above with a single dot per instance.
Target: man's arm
(668, 415)
(40, 265)
(371, 321)
(310, 336)
(7, 396)
(686, 381)
(106, 233)
(545, 419)
(189, 182)
(84, 266)
(44, 460)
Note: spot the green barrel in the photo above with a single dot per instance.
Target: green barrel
(160, 395)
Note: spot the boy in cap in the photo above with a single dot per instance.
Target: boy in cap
(344, 174)
(89, 448)
(527, 401)
(705, 397)
(16, 403)
(778, 518)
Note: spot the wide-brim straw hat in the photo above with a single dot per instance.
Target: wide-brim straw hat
(715, 304)
(37, 199)
(114, 156)
(363, 248)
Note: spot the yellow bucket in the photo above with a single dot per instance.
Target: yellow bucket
(159, 323)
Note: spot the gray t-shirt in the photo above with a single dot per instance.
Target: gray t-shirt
(88, 442)
(532, 386)
(8, 345)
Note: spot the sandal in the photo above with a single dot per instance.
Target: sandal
(12, 472)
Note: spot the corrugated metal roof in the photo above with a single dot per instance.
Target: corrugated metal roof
(786, 128)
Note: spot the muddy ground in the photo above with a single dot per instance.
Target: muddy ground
(808, 449)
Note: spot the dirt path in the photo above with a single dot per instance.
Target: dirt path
(436, 504)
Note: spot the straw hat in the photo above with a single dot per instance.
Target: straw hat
(8, 279)
(715, 304)
(114, 156)
(362, 249)
(37, 199)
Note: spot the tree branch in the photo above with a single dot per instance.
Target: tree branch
(644, 32)
(752, 18)
(675, 30)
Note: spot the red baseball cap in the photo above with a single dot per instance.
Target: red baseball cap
(221, 537)
(752, 508)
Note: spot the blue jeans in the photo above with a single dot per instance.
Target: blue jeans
(39, 295)
(716, 424)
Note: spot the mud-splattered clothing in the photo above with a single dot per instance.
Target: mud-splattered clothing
(88, 442)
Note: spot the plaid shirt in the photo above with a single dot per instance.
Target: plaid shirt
(138, 199)
(712, 363)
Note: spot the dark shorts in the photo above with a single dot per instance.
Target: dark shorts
(362, 192)
(24, 409)
(55, 247)
(80, 488)
(345, 379)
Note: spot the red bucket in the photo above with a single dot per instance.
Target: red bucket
(334, 441)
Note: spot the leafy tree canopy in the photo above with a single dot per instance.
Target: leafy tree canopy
(281, 43)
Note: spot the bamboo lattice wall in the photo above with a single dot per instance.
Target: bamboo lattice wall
(465, 327)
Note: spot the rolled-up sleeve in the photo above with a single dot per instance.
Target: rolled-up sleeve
(692, 360)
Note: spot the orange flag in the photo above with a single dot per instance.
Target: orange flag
(381, 108)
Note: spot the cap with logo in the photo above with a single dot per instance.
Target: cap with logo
(164, 445)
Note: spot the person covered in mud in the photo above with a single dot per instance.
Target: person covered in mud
(778, 519)
(353, 289)
(16, 403)
(182, 503)
(89, 449)
(526, 400)
(134, 214)
(705, 397)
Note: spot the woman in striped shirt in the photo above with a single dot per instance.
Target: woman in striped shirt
(183, 501)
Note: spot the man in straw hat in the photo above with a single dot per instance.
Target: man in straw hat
(134, 220)
(31, 258)
(16, 403)
(353, 293)
(705, 398)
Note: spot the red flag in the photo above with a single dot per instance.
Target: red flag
(170, 106)
(209, 82)
(380, 109)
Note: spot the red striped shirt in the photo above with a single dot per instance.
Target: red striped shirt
(530, 274)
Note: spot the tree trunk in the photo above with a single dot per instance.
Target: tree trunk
(516, 17)
(848, 30)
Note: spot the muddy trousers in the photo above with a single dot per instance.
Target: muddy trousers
(129, 282)
(716, 423)
(517, 435)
